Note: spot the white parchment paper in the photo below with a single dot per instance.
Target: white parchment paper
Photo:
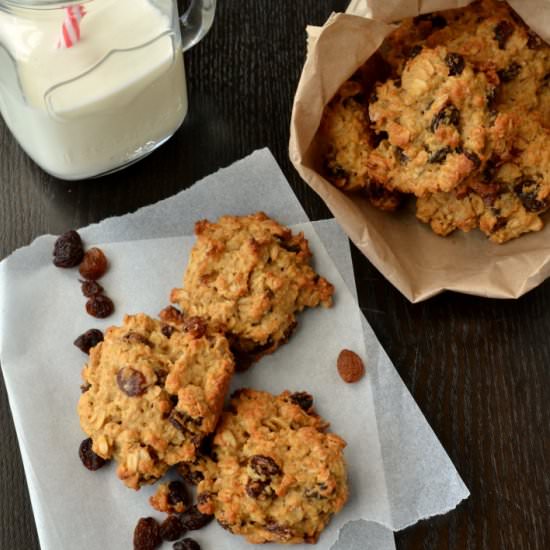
(399, 473)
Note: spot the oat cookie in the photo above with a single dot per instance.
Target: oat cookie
(439, 126)
(277, 475)
(250, 275)
(152, 393)
(347, 142)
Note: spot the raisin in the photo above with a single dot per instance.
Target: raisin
(167, 330)
(414, 51)
(91, 460)
(401, 156)
(260, 490)
(437, 21)
(503, 31)
(449, 115)
(131, 381)
(491, 97)
(194, 519)
(195, 326)
(171, 315)
(499, 224)
(147, 534)
(337, 172)
(439, 156)
(284, 532)
(100, 306)
(90, 288)
(397, 82)
(192, 476)
(508, 74)
(85, 342)
(373, 98)
(85, 387)
(490, 169)
(534, 42)
(178, 493)
(171, 528)
(379, 138)
(136, 338)
(186, 544)
(455, 62)
(303, 399)
(473, 157)
(94, 264)
(527, 191)
(68, 250)
(264, 465)
(181, 421)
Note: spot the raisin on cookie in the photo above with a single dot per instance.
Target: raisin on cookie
(250, 275)
(152, 395)
(276, 475)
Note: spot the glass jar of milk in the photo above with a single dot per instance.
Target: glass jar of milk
(88, 95)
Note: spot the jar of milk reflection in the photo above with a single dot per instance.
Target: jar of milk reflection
(88, 87)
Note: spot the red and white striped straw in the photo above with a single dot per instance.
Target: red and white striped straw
(70, 30)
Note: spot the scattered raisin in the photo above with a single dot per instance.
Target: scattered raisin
(527, 191)
(167, 330)
(401, 156)
(192, 476)
(508, 74)
(473, 157)
(91, 460)
(90, 288)
(195, 326)
(414, 51)
(499, 224)
(260, 490)
(534, 42)
(85, 342)
(94, 264)
(303, 399)
(503, 31)
(194, 519)
(147, 534)
(171, 315)
(350, 366)
(85, 387)
(455, 62)
(379, 138)
(439, 156)
(131, 381)
(437, 21)
(265, 465)
(178, 493)
(186, 544)
(449, 115)
(284, 532)
(136, 338)
(337, 172)
(171, 528)
(68, 250)
(100, 306)
(491, 97)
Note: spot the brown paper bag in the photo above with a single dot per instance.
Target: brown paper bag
(417, 262)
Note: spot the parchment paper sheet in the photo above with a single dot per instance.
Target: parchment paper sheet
(415, 260)
(399, 473)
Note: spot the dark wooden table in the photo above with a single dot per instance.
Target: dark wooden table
(479, 369)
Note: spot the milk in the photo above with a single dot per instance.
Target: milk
(92, 108)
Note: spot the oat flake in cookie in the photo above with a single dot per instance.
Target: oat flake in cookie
(249, 276)
(152, 397)
(278, 476)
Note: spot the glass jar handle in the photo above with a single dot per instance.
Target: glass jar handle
(196, 22)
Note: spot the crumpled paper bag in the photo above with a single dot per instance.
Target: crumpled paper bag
(417, 262)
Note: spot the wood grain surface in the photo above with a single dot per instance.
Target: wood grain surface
(479, 369)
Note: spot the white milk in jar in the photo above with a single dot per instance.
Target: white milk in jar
(115, 95)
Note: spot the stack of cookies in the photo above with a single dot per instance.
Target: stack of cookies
(154, 390)
(457, 116)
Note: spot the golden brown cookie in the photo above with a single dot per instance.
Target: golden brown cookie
(347, 141)
(152, 393)
(249, 276)
(438, 123)
(278, 476)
